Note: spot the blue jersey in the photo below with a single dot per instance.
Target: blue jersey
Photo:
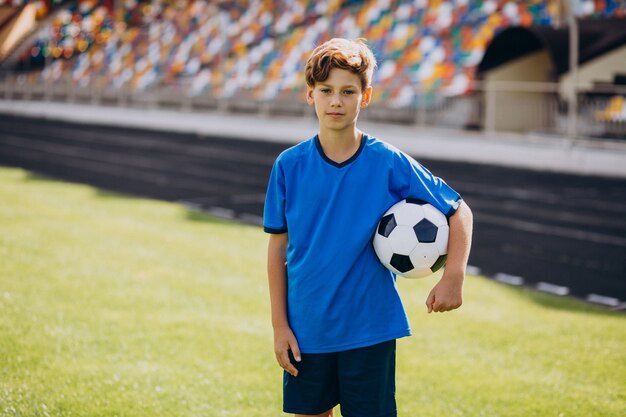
(339, 295)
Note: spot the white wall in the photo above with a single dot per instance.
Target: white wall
(603, 68)
(516, 108)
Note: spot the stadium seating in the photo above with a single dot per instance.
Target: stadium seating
(224, 49)
(615, 110)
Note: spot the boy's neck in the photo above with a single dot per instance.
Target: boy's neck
(339, 146)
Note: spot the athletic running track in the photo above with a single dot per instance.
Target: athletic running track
(563, 233)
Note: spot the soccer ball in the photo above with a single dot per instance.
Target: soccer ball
(411, 239)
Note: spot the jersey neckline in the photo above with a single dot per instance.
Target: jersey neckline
(348, 161)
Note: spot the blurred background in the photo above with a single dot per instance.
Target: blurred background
(490, 65)
(520, 105)
(116, 302)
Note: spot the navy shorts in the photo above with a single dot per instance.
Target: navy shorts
(362, 380)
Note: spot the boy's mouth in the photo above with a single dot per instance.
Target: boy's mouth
(335, 114)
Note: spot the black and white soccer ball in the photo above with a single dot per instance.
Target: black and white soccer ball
(411, 239)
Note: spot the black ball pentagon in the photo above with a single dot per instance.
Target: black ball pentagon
(417, 201)
(401, 262)
(425, 231)
(386, 225)
(441, 261)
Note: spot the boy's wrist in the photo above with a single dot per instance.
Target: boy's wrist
(453, 274)
(280, 325)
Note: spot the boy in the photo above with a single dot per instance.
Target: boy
(336, 312)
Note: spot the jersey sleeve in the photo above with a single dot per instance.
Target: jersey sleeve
(421, 184)
(274, 220)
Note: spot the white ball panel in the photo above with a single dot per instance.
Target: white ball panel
(434, 215)
(408, 214)
(424, 255)
(402, 240)
(382, 246)
(441, 242)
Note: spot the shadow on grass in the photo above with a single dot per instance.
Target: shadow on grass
(34, 176)
(191, 214)
(567, 303)
(201, 216)
(31, 176)
(114, 195)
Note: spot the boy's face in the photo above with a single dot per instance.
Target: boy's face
(338, 99)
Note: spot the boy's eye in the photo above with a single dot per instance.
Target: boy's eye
(348, 92)
(325, 90)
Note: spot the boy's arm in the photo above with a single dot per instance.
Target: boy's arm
(447, 294)
(284, 339)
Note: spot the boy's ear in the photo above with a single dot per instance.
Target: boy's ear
(309, 96)
(367, 97)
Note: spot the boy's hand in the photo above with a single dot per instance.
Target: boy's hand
(446, 295)
(284, 341)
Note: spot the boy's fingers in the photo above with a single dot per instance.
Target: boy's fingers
(295, 351)
(283, 360)
(430, 301)
(283, 357)
(291, 369)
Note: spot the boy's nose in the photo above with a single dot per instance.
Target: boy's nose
(335, 100)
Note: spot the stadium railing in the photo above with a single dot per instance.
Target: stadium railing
(522, 107)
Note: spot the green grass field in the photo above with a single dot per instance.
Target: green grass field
(119, 306)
